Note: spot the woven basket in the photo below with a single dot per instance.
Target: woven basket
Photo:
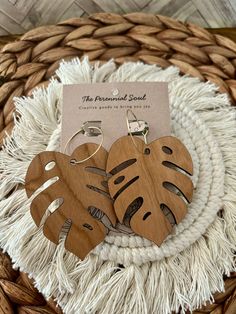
(152, 39)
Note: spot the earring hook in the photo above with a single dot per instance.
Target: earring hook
(144, 132)
(82, 130)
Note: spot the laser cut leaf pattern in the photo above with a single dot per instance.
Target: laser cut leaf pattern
(77, 191)
(150, 191)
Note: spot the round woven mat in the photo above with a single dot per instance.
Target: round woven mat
(33, 59)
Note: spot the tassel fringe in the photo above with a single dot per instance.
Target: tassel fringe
(99, 284)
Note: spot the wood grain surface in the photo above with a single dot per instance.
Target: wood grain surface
(224, 302)
(76, 190)
(145, 186)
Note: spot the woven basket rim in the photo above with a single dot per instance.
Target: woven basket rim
(152, 39)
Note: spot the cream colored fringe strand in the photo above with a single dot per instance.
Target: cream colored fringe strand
(183, 281)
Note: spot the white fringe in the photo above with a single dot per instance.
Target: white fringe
(180, 282)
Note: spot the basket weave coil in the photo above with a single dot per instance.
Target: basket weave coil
(152, 39)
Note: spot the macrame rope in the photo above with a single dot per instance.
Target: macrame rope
(129, 274)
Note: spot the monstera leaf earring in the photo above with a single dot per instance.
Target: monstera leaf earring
(150, 183)
(65, 190)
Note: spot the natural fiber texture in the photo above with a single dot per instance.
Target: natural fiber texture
(19, 54)
(18, 294)
(130, 274)
(136, 36)
(13, 282)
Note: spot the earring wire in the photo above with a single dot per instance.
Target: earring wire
(74, 161)
(130, 132)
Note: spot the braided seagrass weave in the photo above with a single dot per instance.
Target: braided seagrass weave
(153, 39)
(32, 60)
(18, 294)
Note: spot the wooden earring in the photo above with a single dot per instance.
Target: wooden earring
(149, 184)
(65, 191)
